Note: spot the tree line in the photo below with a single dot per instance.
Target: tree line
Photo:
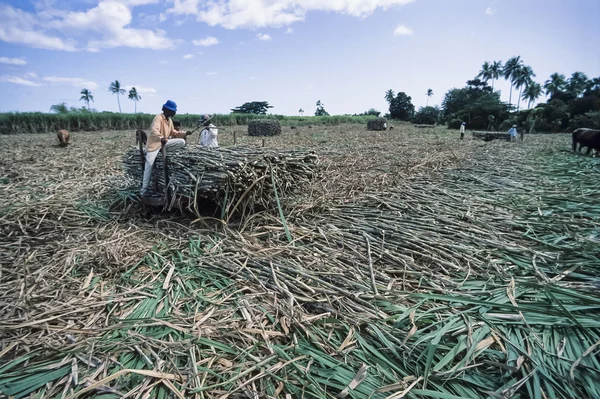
(87, 97)
(573, 102)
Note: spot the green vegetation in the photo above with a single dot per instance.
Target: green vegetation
(320, 111)
(401, 106)
(135, 97)
(573, 103)
(429, 94)
(371, 112)
(61, 108)
(86, 96)
(254, 107)
(427, 115)
(115, 88)
(78, 121)
(473, 104)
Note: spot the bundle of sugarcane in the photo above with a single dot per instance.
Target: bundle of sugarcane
(235, 178)
(264, 127)
(377, 124)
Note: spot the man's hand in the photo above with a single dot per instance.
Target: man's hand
(163, 140)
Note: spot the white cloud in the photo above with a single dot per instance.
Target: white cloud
(251, 77)
(108, 25)
(211, 73)
(134, 3)
(233, 14)
(18, 81)
(188, 56)
(163, 62)
(264, 37)
(110, 20)
(162, 18)
(184, 7)
(147, 19)
(21, 27)
(403, 30)
(310, 86)
(207, 41)
(31, 79)
(77, 82)
(490, 11)
(289, 31)
(141, 89)
(12, 61)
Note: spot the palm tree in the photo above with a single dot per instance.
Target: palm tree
(486, 72)
(389, 96)
(115, 88)
(577, 84)
(133, 95)
(594, 87)
(301, 111)
(86, 96)
(429, 94)
(522, 79)
(496, 70)
(532, 92)
(555, 84)
(510, 71)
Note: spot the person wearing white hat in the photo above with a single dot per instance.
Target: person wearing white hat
(462, 130)
(209, 134)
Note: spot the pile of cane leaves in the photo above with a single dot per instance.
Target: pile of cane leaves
(482, 280)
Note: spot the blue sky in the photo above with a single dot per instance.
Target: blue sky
(210, 56)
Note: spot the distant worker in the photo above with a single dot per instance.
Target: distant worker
(513, 133)
(462, 130)
(491, 120)
(209, 134)
(161, 133)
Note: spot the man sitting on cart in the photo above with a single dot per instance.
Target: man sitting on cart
(161, 131)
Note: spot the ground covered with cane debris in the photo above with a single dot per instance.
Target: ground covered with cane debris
(418, 266)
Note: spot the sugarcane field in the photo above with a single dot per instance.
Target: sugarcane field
(416, 265)
(299, 199)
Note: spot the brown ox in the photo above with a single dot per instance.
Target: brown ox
(63, 137)
(585, 137)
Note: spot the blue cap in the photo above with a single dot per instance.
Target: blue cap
(170, 105)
